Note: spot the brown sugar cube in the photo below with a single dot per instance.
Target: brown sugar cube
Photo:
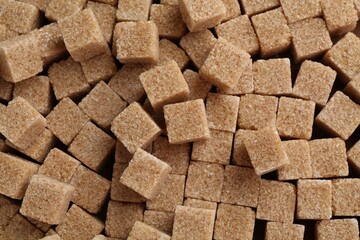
(340, 16)
(234, 222)
(276, 201)
(204, 181)
(232, 8)
(352, 89)
(275, 37)
(354, 156)
(102, 105)
(295, 11)
(91, 189)
(226, 74)
(170, 51)
(337, 229)
(240, 156)
(141, 231)
(177, 156)
(46, 199)
(133, 10)
(198, 87)
(82, 35)
(164, 85)
(162, 221)
(272, 77)
(122, 155)
(217, 149)
(40, 4)
(170, 2)
(314, 82)
(284, 231)
(310, 38)
(198, 45)
(145, 174)
(8, 209)
(36, 91)
(199, 16)
(20, 58)
(345, 197)
(313, 199)
(295, 118)
(60, 9)
(40, 225)
(59, 166)
(298, 152)
(251, 8)
(21, 123)
(343, 57)
(137, 42)
(196, 203)
(186, 122)
(168, 20)
(241, 186)
(68, 79)
(135, 128)
(334, 117)
(66, 120)
(240, 33)
(20, 229)
(265, 150)
(6, 90)
(79, 224)
(120, 218)
(6, 33)
(15, 175)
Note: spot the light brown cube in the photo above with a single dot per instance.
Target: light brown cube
(276, 201)
(233, 64)
(40, 4)
(310, 39)
(217, 149)
(120, 218)
(45, 227)
(298, 152)
(137, 42)
(164, 85)
(20, 58)
(241, 186)
(122, 155)
(232, 9)
(66, 120)
(284, 231)
(46, 199)
(313, 199)
(141, 231)
(251, 8)
(345, 197)
(170, 51)
(162, 221)
(272, 77)
(240, 156)
(314, 82)
(234, 222)
(6, 33)
(204, 181)
(102, 105)
(79, 224)
(82, 35)
(240, 33)
(337, 229)
(168, 20)
(193, 223)
(135, 128)
(8, 209)
(186, 122)
(68, 79)
(198, 46)
(295, 11)
(20, 228)
(265, 150)
(354, 156)
(133, 10)
(196, 203)
(60, 9)
(335, 119)
(15, 175)
(6, 90)
(352, 89)
(198, 87)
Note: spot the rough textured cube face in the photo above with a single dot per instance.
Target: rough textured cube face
(241, 186)
(6, 33)
(170, 51)
(199, 88)
(162, 221)
(133, 10)
(314, 82)
(59, 9)
(337, 229)
(20, 228)
(141, 230)
(232, 8)
(66, 120)
(251, 8)
(272, 77)
(274, 37)
(6, 90)
(137, 42)
(354, 156)
(8, 210)
(204, 181)
(335, 116)
(46, 199)
(240, 155)
(40, 4)
(186, 122)
(310, 39)
(345, 197)
(233, 64)
(352, 88)
(313, 199)
(20, 58)
(295, 11)
(196, 203)
(15, 175)
(193, 223)
(164, 85)
(135, 128)
(283, 231)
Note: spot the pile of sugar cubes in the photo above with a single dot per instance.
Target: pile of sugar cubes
(179, 119)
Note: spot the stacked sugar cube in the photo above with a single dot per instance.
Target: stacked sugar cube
(179, 119)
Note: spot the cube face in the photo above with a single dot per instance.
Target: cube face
(267, 80)
(354, 156)
(8, 210)
(240, 156)
(170, 51)
(198, 87)
(282, 231)
(252, 8)
(352, 88)
(337, 228)
(129, 10)
(20, 228)
(6, 90)
(59, 9)
(141, 230)
(300, 10)
(46, 199)
(6, 33)
(196, 203)
(162, 221)
(232, 9)
(344, 201)
(273, 38)
(314, 199)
